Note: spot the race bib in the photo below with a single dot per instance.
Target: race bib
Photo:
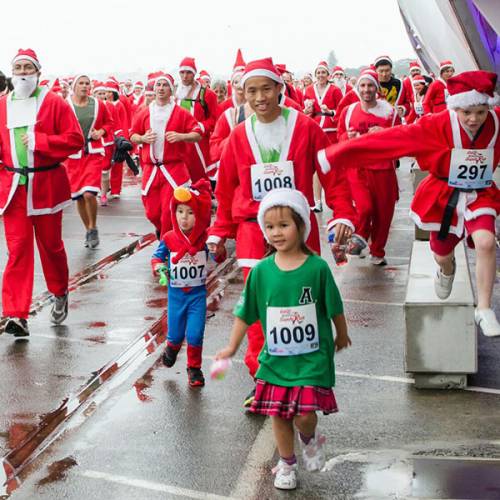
(269, 176)
(419, 109)
(190, 271)
(292, 331)
(471, 168)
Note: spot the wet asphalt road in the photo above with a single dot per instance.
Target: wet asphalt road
(148, 436)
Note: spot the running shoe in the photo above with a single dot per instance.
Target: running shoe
(285, 476)
(104, 200)
(443, 284)
(378, 261)
(487, 321)
(59, 310)
(356, 245)
(169, 356)
(195, 377)
(93, 238)
(247, 402)
(17, 327)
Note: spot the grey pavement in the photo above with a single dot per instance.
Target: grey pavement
(151, 437)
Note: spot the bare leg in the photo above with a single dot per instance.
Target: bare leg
(284, 436)
(105, 182)
(317, 189)
(306, 424)
(484, 241)
(91, 209)
(82, 210)
(445, 263)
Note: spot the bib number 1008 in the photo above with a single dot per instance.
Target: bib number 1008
(297, 334)
(268, 184)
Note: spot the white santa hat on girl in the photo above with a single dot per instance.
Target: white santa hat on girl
(472, 88)
(285, 197)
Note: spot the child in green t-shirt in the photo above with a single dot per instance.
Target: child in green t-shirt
(293, 293)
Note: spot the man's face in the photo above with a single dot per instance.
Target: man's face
(137, 91)
(384, 72)
(367, 90)
(24, 67)
(162, 90)
(415, 71)
(321, 75)
(82, 86)
(187, 77)
(473, 117)
(262, 94)
(447, 73)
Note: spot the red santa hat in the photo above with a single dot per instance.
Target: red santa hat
(239, 63)
(28, 54)
(198, 197)
(286, 197)
(383, 60)
(56, 86)
(418, 79)
(112, 85)
(281, 68)
(188, 64)
(445, 65)
(205, 75)
(338, 69)
(77, 77)
(160, 75)
(368, 74)
(99, 87)
(150, 89)
(415, 65)
(138, 85)
(261, 67)
(322, 65)
(472, 88)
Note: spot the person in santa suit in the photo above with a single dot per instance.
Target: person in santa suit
(205, 79)
(320, 102)
(236, 97)
(288, 89)
(113, 83)
(420, 88)
(85, 167)
(391, 88)
(435, 99)
(149, 94)
(38, 131)
(201, 102)
(307, 81)
(339, 79)
(138, 95)
(460, 149)
(374, 187)
(274, 147)
(128, 88)
(164, 129)
(220, 89)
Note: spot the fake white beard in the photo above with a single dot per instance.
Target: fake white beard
(183, 91)
(24, 86)
(340, 82)
(271, 136)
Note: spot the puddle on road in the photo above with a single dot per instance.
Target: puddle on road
(57, 471)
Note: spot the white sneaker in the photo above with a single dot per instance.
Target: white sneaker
(486, 319)
(378, 261)
(313, 453)
(285, 476)
(443, 284)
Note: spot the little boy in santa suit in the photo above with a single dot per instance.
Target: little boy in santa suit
(163, 128)
(38, 131)
(461, 149)
(275, 147)
(184, 250)
(374, 187)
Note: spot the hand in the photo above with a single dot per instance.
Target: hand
(227, 352)
(342, 342)
(324, 108)
(173, 137)
(25, 139)
(96, 134)
(149, 137)
(351, 133)
(374, 129)
(157, 266)
(342, 233)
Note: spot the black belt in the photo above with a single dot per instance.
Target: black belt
(29, 170)
(331, 114)
(451, 205)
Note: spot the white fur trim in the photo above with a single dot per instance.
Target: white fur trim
(367, 77)
(474, 214)
(323, 161)
(471, 98)
(31, 140)
(214, 239)
(247, 262)
(260, 72)
(322, 66)
(334, 222)
(37, 64)
(383, 109)
(188, 68)
(90, 189)
(202, 127)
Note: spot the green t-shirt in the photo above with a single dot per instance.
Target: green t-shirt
(85, 115)
(269, 286)
(21, 149)
(270, 155)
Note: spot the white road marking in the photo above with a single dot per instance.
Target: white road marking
(373, 302)
(80, 340)
(152, 486)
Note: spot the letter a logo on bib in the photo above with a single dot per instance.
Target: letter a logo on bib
(306, 295)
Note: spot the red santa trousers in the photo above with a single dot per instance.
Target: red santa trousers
(116, 178)
(157, 204)
(375, 193)
(250, 244)
(18, 275)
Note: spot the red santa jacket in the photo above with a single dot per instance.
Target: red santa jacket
(55, 135)
(234, 189)
(347, 100)
(355, 118)
(435, 98)
(431, 141)
(173, 165)
(331, 98)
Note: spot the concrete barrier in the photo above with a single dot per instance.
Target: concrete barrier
(441, 340)
(417, 176)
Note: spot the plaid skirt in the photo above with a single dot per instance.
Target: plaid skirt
(286, 402)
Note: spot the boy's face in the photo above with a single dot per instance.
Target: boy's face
(185, 218)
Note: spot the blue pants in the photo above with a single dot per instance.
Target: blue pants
(186, 315)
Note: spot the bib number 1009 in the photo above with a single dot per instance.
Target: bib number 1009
(297, 334)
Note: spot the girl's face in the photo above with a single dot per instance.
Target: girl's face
(281, 230)
(419, 87)
(321, 75)
(185, 218)
(473, 117)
